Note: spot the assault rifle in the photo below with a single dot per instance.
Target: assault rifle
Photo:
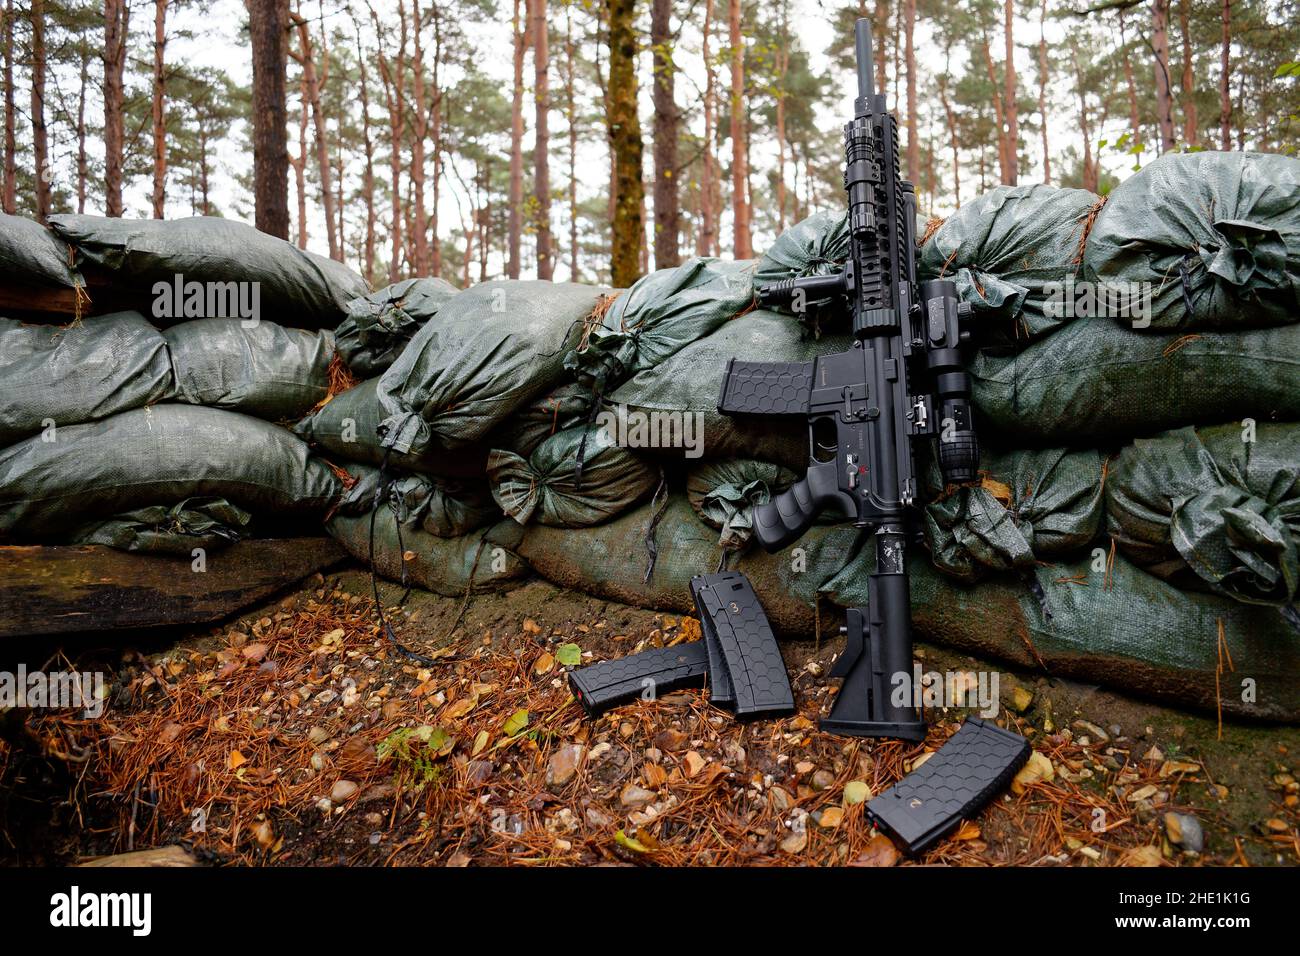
(901, 382)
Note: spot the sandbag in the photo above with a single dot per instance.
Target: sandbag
(1207, 501)
(1026, 506)
(207, 523)
(494, 348)
(609, 560)
(79, 373)
(1215, 238)
(379, 325)
(543, 417)
(662, 312)
(1010, 252)
(294, 287)
(479, 561)
(690, 382)
(548, 487)
(444, 508)
(160, 455)
(1095, 382)
(264, 370)
(1126, 629)
(346, 427)
(723, 495)
(32, 255)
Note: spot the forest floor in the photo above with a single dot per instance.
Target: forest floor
(297, 735)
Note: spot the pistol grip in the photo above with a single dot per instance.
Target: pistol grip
(784, 519)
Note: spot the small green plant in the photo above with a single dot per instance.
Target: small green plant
(415, 753)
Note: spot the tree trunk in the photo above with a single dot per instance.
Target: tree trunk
(709, 175)
(419, 133)
(666, 119)
(368, 173)
(9, 191)
(1160, 46)
(268, 23)
(517, 145)
(999, 114)
(743, 248)
(950, 118)
(1012, 112)
(1089, 170)
(435, 128)
(312, 84)
(1225, 101)
(300, 164)
(1134, 120)
(395, 99)
(541, 151)
(880, 45)
(571, 109)
(159, 110)
(909, 60)
(624, 128)
(40, 138)
(1042, 89)
(1190, 131)
(83, 158)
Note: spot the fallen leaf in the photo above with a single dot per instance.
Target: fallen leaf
(694, 763)
(531, 626)
(1141, 856)
(967, 831)
(630, 843)
(544, 663)
(237, 760)
(831, 817)
(879, 852)
(1037, 769)
(480, 741)
(516, 723)
(570, 655)
(856, 791)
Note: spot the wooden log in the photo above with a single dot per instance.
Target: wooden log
(76, 588)
(164, 856)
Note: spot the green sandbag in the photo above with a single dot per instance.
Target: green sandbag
(1027, 505)
(207, 523)
(1010, 251)
(529, 426)
(79, 373)
(32, 255)
(480, 561)
(609, 560)
(264, 370)
(1140, 634)
(1207, 500)
(1214, 236)
(160, 455)
(295, 287)
(690, 383)
(723, 495)
(379, 325)
(662, 313)
(346, 426)
(494, 348)
(445, 508)
(546, 487)
(1095, 382)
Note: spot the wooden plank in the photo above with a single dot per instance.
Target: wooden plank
(73, 588)
(51, 304)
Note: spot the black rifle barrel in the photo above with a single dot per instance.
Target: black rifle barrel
(862, 41)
